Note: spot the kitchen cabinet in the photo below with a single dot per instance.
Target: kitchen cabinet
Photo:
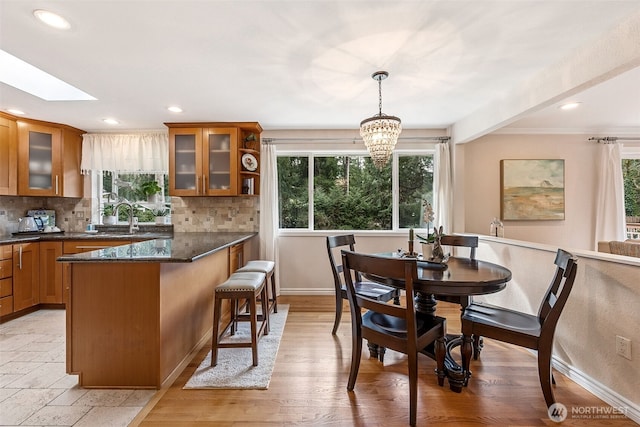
(8, 157)
(236, 261)
(79, 246)
(49, 160)
(6, 280)
(26, 275)
(206, 159)
(50, 273)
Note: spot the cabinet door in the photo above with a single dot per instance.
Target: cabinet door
(50, 273)
(26, 275)
(236, 260)
(220, 161)
(8, 157)
(185, 162)
(39, 171)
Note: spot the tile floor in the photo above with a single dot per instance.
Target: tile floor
(36, 391)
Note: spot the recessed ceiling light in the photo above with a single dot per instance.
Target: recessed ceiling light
(52, 19)
(15, 111)
(175, 109)
(570, 105)
(24, 76)
(111, 121)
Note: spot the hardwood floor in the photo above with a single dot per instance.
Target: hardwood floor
(309, 381)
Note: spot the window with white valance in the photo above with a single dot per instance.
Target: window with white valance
(130, 153)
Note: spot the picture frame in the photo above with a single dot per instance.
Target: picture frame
(532, 189)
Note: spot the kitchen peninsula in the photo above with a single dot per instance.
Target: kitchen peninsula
(137, 311)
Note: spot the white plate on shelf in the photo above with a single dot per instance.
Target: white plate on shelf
(249, 162)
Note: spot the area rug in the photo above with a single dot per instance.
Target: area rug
(235, 368)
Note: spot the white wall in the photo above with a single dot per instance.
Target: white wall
(602, 304)
(480, 166)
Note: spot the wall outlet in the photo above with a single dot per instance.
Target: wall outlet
(623, 347)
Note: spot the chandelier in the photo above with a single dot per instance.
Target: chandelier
(380, 132)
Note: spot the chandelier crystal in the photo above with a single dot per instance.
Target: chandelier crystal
(380, 132)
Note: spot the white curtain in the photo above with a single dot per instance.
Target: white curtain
(610, 217)
(128, 153)
(443, 188)
(269, 205)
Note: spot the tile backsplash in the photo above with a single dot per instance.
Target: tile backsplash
(188, 214)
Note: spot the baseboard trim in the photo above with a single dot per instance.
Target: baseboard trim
(632, 410)
(307, 291)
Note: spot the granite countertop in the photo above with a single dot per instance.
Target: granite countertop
(105, 233)
(179, 247)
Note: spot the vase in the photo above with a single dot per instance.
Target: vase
(162, 220)
(109, 220)
(427, 251)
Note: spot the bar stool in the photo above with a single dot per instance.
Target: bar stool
(241, 285)
(268, 268)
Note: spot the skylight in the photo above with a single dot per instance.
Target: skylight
(24, 76)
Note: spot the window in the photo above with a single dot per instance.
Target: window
(631, 179)
(129, 187)
(347, 192)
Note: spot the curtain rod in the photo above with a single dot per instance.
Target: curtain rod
(354, 140)
(611, 139)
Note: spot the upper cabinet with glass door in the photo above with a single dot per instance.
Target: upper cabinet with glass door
(8, 157)
(49, 160)
(204, 158)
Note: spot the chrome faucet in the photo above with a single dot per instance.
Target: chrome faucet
(132, 227)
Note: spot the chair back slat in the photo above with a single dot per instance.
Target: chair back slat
(333, 243)
(558, 291)
(470, 242)
(404, 269)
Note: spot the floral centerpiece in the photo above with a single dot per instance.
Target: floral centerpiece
(428, 240)
(428, 217)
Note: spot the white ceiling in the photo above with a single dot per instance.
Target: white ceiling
(307, 64)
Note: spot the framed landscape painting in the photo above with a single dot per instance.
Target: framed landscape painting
(532, 190)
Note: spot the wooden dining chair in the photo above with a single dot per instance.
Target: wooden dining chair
(526, 330)
(370, 289)
(397, 327)
(459, 240)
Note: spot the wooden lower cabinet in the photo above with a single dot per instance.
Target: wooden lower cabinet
(26, 275)
(6, 280)
(236, 255)
(79, 246)
(131, 324)
(50, 273)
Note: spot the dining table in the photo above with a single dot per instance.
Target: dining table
(456, 280)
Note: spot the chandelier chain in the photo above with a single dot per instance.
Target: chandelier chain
(380, 96)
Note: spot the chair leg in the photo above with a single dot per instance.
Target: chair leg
(413, 386)
(466, 350)
(336, 322)
(265, 309)
(477, 346)
(273, 293)
(545, 374)
(356, 354)
(441, 350)
(254, 330)
(216, 331)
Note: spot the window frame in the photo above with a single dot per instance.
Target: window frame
(629, 152)
(395, 188)
(97, 191)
